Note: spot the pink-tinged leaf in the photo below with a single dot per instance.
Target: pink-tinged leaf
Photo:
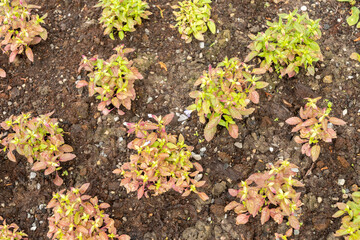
(233, 130)
(82, 229)
(50, 170)
(265, 215)
(140, 192)
(167, 119)
(81, 83)
(13, 55)
(186, 193)
(84, 187)
(209, 133)
(103, 236)
(58, 180)
(231, 206)
(2, 73)
(53, 202)
(39, 166)
(213, 121)
(309, 122)
(297, 139)
(105, 111)
(116, 102)
(203, 196)
(35, 41)
(315, 152)
(124, 237)
(341, 206)
(242, 219)
(254, 97)
(29, 54)
(11, 156)
(294, 222)
(198, 166)
(117, 171)
(293, 121)
(305, 148)
(289, 232)
(297, 127)
(259, 71)
(233, 192)
(104, 205)
(67, 157)
(336, 121)
(66, 148)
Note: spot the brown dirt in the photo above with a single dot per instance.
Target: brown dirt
(100, 142)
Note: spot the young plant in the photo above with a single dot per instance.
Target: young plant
(193, 18)
(225, 94)
(350, 225)
(39, 139)
(162, 161)
(10, 232)
(19, 28)
(113, 80)
(355, 13)
(289, 45)
(270, 193)
(79, 216)
(315, 127)
(122, 16)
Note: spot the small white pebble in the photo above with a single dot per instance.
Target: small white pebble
(32, 175)
(271, 149)
(197, 157)
(33, 227)
(202, 44)
(238, 145)
(341, 182)
(319, 199)
(345, 112)
(203, 149)
(303, 8)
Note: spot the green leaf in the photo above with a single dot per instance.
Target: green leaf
(354, 18)
(212, 26)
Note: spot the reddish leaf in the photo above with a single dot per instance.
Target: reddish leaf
(297, 139)
(81, 83)
(209, 133)
(66, 157)
(124, 237)
(213, 121)
(294, 222)
(233, 192)
(117, 171)
(104, 205)
(336, 121)
(2, 73)
(29, 54)
(140, 192)
(242, 219)
(203, 196)
(233, 130)
(293, 121)
(84, 187)
(167, 119)
(66, 148)
(265, 215)
(254, 97)
(13, 55)
(315, 152)
(115, 101)
(58, 180)
(231, 206)
(39, 166)
(309, 122)
(11, 156)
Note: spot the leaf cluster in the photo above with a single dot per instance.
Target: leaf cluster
(19, 28)
(10, 232)
(314, 126)
(193, 18)
(162, 161)
(225, 94)
(288, 45)
(79, 216)
(270, 193)
(350, 224)
(39, 139)
(355, 13)
(112, 80)
(122, 16)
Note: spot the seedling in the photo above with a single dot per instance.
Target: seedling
(39, 139)
(350, 224)
(288, 46)
(79, 216)
(193, 18)
(162, 161)
(272, 195)
(20, 28)
(10, 232)
(113, 80)
(122, 16)
(315, 127)
(355, 12)
(226, 92)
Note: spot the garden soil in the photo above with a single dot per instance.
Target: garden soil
(100, 142)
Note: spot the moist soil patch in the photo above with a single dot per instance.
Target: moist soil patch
(100, 142)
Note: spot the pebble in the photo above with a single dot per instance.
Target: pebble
(203, 149)
(38, 186)
(327, 79)
(33, 227)
(149, 99)
(345, 112)
(271, 149)
(116, 118)
(303, 8)
(319, 199)
(32, 175)
(341, 182)
(197, 157)
(182, 118)
(238, 145)
(296, 232)
(202, 44)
